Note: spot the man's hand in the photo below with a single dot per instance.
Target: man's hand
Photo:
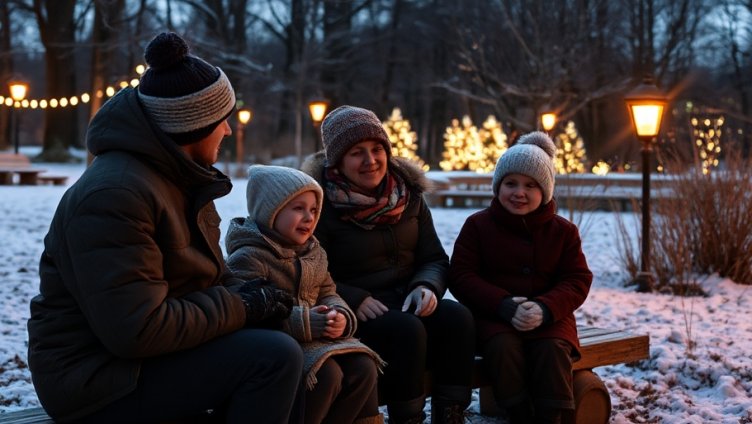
(424, 300)
(370, 308)
(264, 302)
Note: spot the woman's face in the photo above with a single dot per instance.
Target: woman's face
(365, 165)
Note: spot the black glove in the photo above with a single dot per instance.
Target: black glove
(264, 303)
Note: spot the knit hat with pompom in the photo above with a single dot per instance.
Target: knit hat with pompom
(184, 96)
(532, 155)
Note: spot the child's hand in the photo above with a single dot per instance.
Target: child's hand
(318, 317)
(335, 325)
(529, 316)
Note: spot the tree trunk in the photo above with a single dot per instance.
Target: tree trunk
(57, 30)
(6, 70)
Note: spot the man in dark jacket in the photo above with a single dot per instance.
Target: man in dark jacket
(137, 319)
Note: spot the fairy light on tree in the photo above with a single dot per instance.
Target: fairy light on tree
(570, 151)
(494, 143)
(707, 134)
(463, 149)
(404, 141)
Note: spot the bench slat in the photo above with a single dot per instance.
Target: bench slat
(614, 350)
(26, 416)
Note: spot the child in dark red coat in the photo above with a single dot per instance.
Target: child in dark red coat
(520, 269)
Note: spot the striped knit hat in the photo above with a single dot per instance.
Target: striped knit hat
(270, 188)
(532, 155)
(184, 96)
(347, 126)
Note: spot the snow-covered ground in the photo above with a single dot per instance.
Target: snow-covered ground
(712, 383)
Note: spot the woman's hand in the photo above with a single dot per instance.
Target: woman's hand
(424, 300)
(370, 308)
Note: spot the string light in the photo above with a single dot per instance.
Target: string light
(74, 100)
(707, 133)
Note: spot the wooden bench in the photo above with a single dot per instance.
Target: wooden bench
(12, 165)
(582, 191)
(599, 347)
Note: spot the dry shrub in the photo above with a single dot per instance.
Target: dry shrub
(703, 227)
(578, 202)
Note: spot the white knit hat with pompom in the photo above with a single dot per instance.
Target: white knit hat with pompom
(533, 155)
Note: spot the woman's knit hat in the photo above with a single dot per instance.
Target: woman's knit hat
(533, 155)
(184, 96)
(270, 188)
(347, 126)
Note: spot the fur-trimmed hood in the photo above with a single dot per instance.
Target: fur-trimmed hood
(414, 177)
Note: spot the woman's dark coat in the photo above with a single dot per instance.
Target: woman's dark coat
(538, 256)
(131, 266)
(388, 261)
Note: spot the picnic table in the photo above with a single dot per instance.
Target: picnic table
(17, 169)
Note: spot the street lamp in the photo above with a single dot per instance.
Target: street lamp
(317, 108)
(646, 104)
(548, 120)
(18, 91)
(244, 117)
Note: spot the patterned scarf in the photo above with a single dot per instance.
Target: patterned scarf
(362, 209)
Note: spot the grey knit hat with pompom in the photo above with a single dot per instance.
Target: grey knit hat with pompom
(270, 188)
(184, 96)
(347, 126)
(533, 155)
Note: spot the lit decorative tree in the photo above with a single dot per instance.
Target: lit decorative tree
(707, 133)
(601, 168)
(494, 143)
(404, 141)
(570, 151)
(463, 149)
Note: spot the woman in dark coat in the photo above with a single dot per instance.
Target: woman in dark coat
(520, 268)
(137, 319)
(389, 266)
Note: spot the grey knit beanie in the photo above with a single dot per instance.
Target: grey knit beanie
(347, 126)
(184, 96)
(532, 155)
(270, 188)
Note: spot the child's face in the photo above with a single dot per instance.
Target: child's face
(296, 221)
(520, 194)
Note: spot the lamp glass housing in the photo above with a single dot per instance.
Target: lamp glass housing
(548, 120)
(318, 110)
(647, 118)
(244, 116)
(18, 90)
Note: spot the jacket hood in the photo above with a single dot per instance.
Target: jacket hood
(122, 125)
(244, 232)
(413, 175)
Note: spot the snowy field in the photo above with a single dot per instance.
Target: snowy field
(710, 384)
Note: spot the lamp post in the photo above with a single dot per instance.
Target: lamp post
(646, 104)
(18, 91)
(244, 117)
(548, 120)
(317, 108)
